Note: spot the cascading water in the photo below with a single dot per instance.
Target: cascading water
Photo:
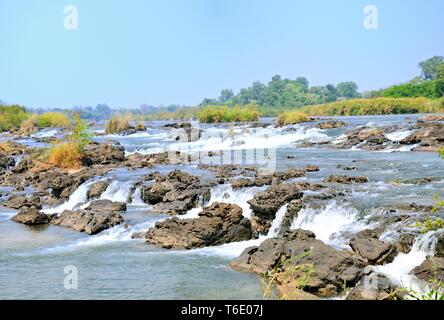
(117, 191)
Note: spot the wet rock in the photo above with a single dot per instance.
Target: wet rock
(293, 208)
(405, 242)
(103, 153)
(311, 168)
(439, 246)
(346, 168)
(218, 224)
(137, 161)
(6, 162)
(97, 188)
(18, 202)
(256, 182)
(373, 250)
(331, 124)
(367, 138)
(422, 181)
(346, 179)
(88, 221)
(106, 206)
(431, 269)
(375, 287)
(265, 204)
(429, 135)
(175, 193)
(229, 171)
(332, 270)
(289, 174)
(31, 216)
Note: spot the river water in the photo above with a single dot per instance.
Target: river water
(111, 265)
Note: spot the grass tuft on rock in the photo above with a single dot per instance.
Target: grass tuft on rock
(118, 123)
(292, 117)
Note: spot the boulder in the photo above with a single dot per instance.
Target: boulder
(88, 221)
(6, 162)
(96, 189)
(106, 206)
(331, 124)
(429, 135)
(31, 216)
(265, 204)
(439, 246)
(103, 153)
(330, 270)
(376, 287)
(18, 202)
(218, 224)
(373, 250)
(346, 179)
(431, 269)
(311, 168)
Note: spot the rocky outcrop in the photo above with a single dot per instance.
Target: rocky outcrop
(429, 136)
(106, 206)
(346, 179)
(31, 216)
(103, 153)
(96, 189)
(175, 193)
(265, 204)
(18, 202)
(373, 250)
(435, 117)
(331, 124)
(6, 162)
(439, 246)
(376, 287)
(262, 180)
(431, 269)
(218, 224)
(329, 270)
(88, 221)
(367, 138)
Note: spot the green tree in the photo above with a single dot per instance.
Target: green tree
(429, 67)
(347, 90)
(440, 72)
(225, 95)
(304, 82)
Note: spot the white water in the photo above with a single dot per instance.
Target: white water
(398, 135)
(76, 199)
(329, 223)
(398, 271)
(117, 191)
(45, 134)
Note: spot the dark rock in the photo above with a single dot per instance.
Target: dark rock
(103, 153)
(439, 246)
(18, 202)
(431, 269)
(376, 287)
(346, 179)
(96, 189)
(106, 206)
(311, 168)
(221, 223)
(373, 250)
(331, 124)
(31, 216)
(88, 221)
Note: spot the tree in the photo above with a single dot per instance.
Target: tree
(440, 72)
(225, 95)
(429, 67)
(102, 112)
(347, 90)
(304, 82)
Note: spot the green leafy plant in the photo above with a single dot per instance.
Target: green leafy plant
(430, 225)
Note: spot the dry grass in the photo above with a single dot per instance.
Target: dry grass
(65, 155)
(29, 126)
(118, 123)
(6, 147)
(292, 117)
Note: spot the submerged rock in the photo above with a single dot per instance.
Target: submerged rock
(373, 250)
(298, 254)
(346, 179)
(88, 221)
(107, 206)
(31, 216)
(221, 223)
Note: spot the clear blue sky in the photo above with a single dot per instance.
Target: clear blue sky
(126, 53)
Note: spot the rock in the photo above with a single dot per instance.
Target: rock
(175, 193)
(429, 135)
(289, 174)
(311, 168)
(431, 269)
(103, 153)
(265, 204)
(218, 224)
(96, 189)
(18, 202)
(88, 221)
(436, 117)
(31, 216)
(6, 162)
(346, 179)
(367, 138)
(332, 270)
(106, 206)
(346, 168)
(405, 242)
(439, 246)
(257, 182)
(373, 250)
(376, 287)
(331, 124)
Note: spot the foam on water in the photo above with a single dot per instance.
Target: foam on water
(398, 135)
(117, 191)
(45, 134)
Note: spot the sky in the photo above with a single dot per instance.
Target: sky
(133, 52)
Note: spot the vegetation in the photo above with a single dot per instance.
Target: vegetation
(415, 88)
(441, 152)
(29, 126)
(11, 117)
(118, 123)
(292, 117)
(430, 225)
(376, 106)
(53, 120)
(219, 114)
(69, 154)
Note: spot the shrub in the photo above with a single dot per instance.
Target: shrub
(11, 117)
(118, 123)
(223, 114)
(53, 120)
(292, 117)
(29, 126)
(65, 155)
(427, 89)
(441, 152)
(430, 225)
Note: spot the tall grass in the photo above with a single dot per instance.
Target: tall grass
(118, 123)
(376, 106)
(29, 126)
(292, 117)
(11, 117)
(53, 120)
(221, 114)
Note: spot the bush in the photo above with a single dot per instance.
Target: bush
(427, 89)
(441, 152)
(118, 123)
(66, 155)
(430, 225)
(11, 117)
(53, 120)
(376, 106)
(292, 117)
(222, 114)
